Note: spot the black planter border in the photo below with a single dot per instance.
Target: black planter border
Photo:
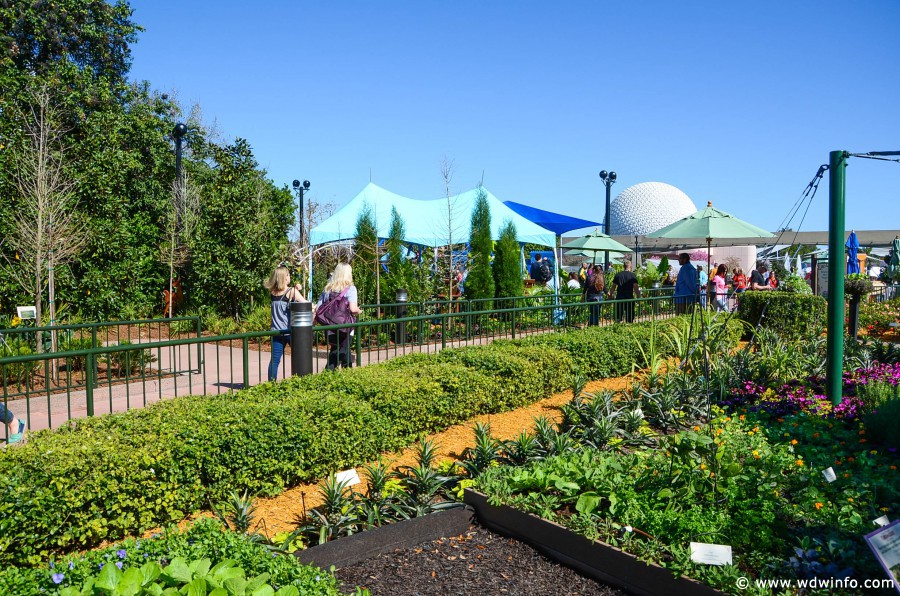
(594, 559)
(404, 534)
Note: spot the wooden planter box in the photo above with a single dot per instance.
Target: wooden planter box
(594, 559)
(404, 534)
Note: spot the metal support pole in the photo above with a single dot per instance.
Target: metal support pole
(301, 338)
(402, 298)
(835, 348)
(606, 183)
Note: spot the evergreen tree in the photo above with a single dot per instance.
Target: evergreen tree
(365, 248)
(480, 280)
(507, 265)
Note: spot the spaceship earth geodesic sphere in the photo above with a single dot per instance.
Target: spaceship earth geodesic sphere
(647, 207)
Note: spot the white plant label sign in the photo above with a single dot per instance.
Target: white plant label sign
(829, 474)
(881, 521)
(710, 554)
(348, 477)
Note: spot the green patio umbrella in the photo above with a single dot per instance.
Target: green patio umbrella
(592, 254)
(710, 223)
(596, 242)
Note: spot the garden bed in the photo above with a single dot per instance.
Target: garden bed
(474, 562)
(592, 558)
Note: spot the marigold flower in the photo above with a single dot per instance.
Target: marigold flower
(850, 499)
(819, 505)
(702, 466)
(794, 442)
(893, 467)
(799, 462)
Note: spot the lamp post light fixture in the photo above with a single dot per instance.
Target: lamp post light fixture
(608, 178)
(178, 133)
(301, 188)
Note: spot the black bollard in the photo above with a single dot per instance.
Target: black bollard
(402, 298)
(301, 338)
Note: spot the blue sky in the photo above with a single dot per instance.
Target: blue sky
(737, 103)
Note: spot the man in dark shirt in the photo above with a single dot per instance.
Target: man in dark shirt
(625, 284)
(757, 281)
(535, 270)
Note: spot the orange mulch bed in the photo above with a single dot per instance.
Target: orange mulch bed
(277, 514)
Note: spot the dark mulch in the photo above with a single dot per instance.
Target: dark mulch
(479, 562)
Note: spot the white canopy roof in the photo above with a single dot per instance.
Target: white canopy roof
(426, 222)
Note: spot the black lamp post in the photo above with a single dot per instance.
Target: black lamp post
(178, 132)
(301, 188)
(608, 178)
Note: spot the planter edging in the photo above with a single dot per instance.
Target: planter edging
(594, 559)
(350, 550)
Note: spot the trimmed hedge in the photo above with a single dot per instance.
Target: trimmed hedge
(103, 478)
(790, 315)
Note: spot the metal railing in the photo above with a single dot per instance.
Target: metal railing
(74, 373)
(116, 378)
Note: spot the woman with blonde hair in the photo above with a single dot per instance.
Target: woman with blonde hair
(340, 299)
(281, 295)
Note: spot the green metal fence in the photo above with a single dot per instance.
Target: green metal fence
(115, 378)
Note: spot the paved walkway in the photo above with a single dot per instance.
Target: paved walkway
(222, 371)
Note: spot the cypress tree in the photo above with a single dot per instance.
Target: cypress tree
(480, 280)
(507, 266)
(365, 247)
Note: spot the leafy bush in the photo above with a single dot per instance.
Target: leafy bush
(876, 317)
(789, 314)
(205, 539)
(128, 362)
(76, 363)
(884, 422)
(99, 479)
(794, 284)
(18, 373)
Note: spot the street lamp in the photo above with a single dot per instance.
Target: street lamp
(178, 132)
(608, 178)
(301, 188)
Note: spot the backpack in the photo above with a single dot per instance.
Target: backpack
(335, 310)
(545, 272)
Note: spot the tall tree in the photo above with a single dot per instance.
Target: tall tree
(507, 264)
(47, 231)
(480, 280)
(365, 256)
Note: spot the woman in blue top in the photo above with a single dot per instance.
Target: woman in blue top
(281, 294)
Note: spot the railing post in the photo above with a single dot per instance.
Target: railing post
(94, 373)
(513, 319)
(89, 363)
(301, 338)
(402, 298)
(199, 347)
(358, 346)
(443, 331)
(422, 324)
(245, 353)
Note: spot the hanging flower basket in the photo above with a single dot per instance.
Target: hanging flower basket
(857, 285)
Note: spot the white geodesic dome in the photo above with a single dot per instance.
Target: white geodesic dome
(647, 207)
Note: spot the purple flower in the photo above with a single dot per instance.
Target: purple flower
(121, 553)
(71, 565)
(52, 565)
(58, 577)
(119, 564)
(100, 565)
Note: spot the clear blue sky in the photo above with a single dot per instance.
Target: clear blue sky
(738, 103)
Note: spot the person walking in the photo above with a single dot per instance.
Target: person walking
(626, 288)
(720, 288)
(593, 294)
(340, 288)
(704, 284)
(685, 285)
(15, 427)
(281, 294)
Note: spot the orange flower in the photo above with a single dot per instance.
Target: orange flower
(851, 459)
(893, 467)
(819, 505)
(794, 442)
(799, 462)
(815, 435)
(862, 440)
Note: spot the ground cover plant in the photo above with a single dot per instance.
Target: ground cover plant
(104, 478)
(205, 551)
(651, 469)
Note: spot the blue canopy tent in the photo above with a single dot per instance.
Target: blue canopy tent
(556, 223)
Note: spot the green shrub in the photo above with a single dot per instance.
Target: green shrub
(128, 362)
(75, 363)
(102, 478)
(789, 314)
(204, 539)
(883, 424)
